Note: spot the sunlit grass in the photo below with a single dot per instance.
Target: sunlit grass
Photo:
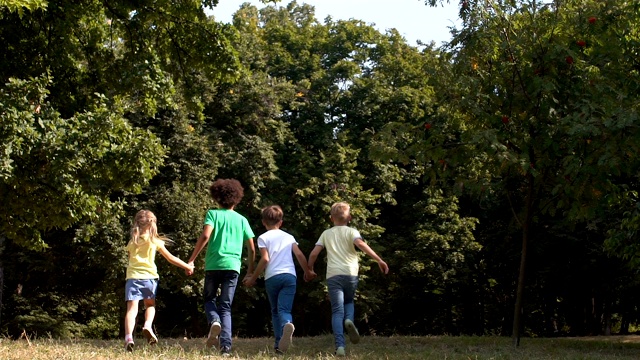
(321, 347)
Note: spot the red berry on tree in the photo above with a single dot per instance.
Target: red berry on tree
(581, 43)
(427, 126)
(592, 20)
(569, 60)
(505, 119)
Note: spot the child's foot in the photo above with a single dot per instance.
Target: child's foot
(150, 336)
(354, 336)
(340, 351)
(287, 334)
(128, 345)
(225, 351)
(214, 333)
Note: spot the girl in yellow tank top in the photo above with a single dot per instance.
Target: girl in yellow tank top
(142, 274)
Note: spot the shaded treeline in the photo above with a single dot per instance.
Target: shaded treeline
(452, 158)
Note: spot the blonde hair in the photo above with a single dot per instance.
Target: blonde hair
(340, 211)
(145, 221)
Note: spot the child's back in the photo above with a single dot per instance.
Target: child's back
(224, 233)
(279, 247)
(142, 274)
(276, 249)
(230, 229)
(342, 272)
(342, 258)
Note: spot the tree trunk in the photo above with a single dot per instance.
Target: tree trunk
(1, 288)
(2, 239)
(526, 226)
(607, 322)
(517, 313)
(624, 324)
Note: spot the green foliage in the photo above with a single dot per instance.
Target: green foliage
(19, 6)
(54, 315)
(55, 171)
(447, 155)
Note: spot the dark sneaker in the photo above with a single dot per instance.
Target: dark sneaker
(150, 336)
(351, 330)
(225, 351)
(214, 332)
(128, 345)
(287, 337)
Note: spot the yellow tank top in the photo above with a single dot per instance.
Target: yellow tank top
(142, 259)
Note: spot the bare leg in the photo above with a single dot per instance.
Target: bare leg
(130, 317)
(149, 315)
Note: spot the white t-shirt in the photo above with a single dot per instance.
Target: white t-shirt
(342, 258)
(278, 244)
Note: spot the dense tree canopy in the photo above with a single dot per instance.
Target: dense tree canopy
(509, 151)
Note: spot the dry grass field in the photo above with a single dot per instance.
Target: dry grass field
(321, 347)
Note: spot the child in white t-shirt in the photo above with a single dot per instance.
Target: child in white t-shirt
(276, 247)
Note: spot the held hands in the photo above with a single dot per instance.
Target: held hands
(249, 280)
(309, 275)
(189, 271)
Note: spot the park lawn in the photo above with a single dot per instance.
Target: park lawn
(321, 347)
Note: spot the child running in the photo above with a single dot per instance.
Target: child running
(342, 272)
(142, 274)
(225, 231)
(276, 247)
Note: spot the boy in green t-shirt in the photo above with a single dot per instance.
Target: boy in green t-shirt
(225, 231)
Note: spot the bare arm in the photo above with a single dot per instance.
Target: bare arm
(174, 260)
(367, 250)
(200, 244)
(312, 260)
(262, 264)
(251, 257)
(313, 256)
(302, 260)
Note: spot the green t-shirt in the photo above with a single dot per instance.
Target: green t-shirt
(230, 231)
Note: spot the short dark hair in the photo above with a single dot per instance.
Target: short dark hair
(272, 214)
(226, 192)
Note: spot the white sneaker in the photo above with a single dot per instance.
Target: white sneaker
(287, 337)
(351, 330)
(128, 345)
(150, 336)
(340, 351)
(214, 333)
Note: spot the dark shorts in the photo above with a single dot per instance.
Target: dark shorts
(140, 289)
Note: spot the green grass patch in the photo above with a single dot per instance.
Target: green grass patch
(321, 347)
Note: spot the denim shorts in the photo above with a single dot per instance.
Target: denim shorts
(140, 289)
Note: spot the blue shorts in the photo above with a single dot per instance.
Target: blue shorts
(140, 289)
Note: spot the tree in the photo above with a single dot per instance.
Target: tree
(56, 172)
(86, 85)
(533, 100)
(349, 80)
